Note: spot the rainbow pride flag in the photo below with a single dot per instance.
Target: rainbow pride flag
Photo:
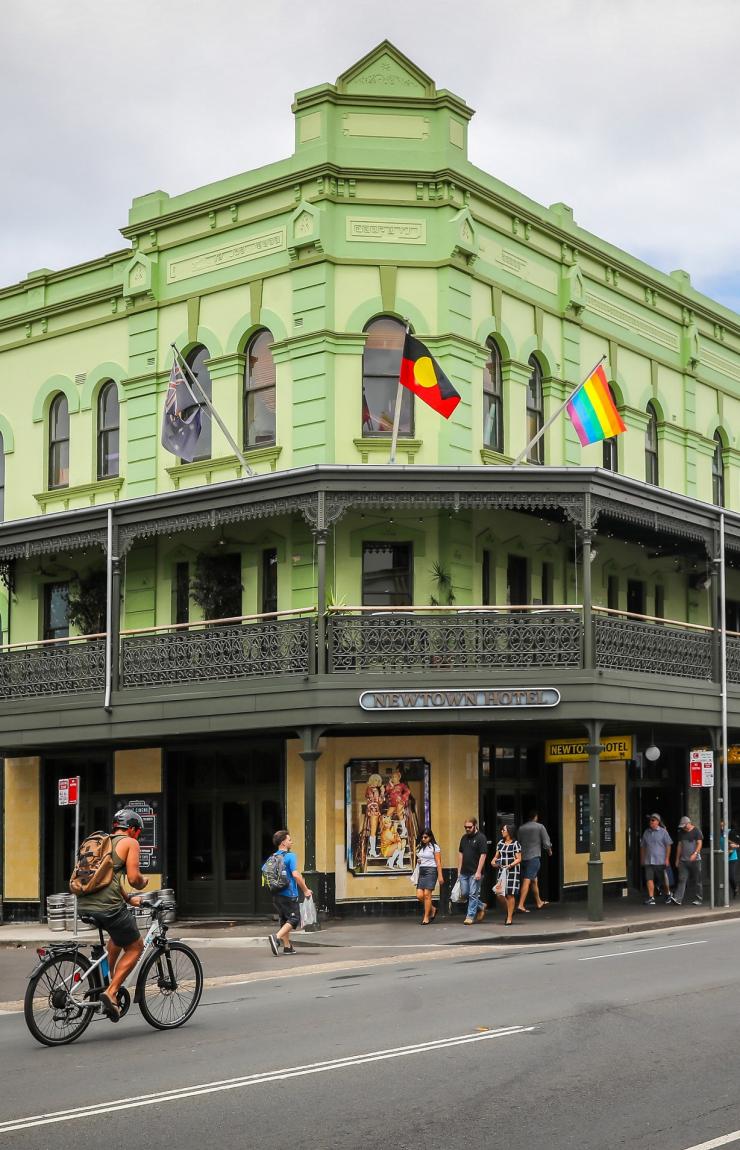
(592, 410)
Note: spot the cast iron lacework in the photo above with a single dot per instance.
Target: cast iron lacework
(57, 669)
(388, 642)
(651, 520)
(631, 645)
(218, 651)
(217, 517)
(733, 659)
(51, 544)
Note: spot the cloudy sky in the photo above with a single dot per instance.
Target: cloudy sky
(628, 110)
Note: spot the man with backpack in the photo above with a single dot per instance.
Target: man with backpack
(102, 862)
(284, 879)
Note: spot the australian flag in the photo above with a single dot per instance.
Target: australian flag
(181, 422)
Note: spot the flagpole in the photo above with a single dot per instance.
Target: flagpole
(554, 416)
(397, 412)
(212, 411)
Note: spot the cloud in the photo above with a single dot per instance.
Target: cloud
(624, 109)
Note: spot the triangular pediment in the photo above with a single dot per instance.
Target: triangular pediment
(386, 72)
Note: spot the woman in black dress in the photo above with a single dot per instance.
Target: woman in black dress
(508, 858)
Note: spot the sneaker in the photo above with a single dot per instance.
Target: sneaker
(289, 950)
(274, 945)
(468, 922)
(649, 902)
(698, 902)
(668, 899)
(481, 914)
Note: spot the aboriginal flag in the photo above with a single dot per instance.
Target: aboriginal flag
(421, 374)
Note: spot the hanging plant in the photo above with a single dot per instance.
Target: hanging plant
(216, 586)
(87, 603)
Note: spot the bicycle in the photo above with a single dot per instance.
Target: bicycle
(63, 993)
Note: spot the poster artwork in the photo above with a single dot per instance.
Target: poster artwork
(387, 804)
(150, 842)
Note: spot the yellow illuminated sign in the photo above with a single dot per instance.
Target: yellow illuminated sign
(574, 750)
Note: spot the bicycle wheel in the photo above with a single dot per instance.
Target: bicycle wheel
(51, 1016)
(169, 986)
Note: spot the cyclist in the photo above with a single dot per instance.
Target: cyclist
(107, 907)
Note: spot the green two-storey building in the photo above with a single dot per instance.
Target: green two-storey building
(352, 647)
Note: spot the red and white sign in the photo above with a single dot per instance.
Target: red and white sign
(701, 768)
(69, 790)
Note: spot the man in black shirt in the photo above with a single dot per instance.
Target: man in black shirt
(470, 862)
(688, 861)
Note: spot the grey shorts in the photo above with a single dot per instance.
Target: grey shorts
(120, 924)
(655, 872)
(531, 868)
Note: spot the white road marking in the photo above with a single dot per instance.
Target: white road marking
(644, 950)
(177, 1095)
(724, 1140)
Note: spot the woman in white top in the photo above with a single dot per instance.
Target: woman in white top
(429, 861)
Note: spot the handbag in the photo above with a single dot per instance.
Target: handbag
(415, 875)
(500, 884)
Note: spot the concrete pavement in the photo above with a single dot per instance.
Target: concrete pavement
(557, 922)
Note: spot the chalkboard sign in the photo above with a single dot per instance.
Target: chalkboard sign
(150, 842)
(608, 835)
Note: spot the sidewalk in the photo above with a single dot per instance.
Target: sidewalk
(559, 922)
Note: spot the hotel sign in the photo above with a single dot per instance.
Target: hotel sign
(574, 750)
(480, 698)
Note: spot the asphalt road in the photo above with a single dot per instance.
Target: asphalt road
(584, 1045)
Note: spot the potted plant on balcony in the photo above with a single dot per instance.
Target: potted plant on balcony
(87, 603)
(444, 640)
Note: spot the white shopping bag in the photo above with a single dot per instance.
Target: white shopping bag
(456, 894)
(308, 912)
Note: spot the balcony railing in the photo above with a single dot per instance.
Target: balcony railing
(370, 641)
(246, 647)
(386, 640)
(52, 667)
(655, 646)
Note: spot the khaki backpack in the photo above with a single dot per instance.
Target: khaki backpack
(94, 865)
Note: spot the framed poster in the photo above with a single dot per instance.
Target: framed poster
(608, 840)
(150, 809)
(387, 805)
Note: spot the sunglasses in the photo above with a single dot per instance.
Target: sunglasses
(468, 827)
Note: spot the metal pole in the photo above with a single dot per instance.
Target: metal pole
(548, 423)
(212, 411)
(321, 601)
(108, 616)
(77, 838)
(397, 411)
(595, 864)
(723, 681)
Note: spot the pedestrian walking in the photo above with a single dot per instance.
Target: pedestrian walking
(471, 858)
(508, 858)
(688, 861)
(284, 880)
(732, 848)
(534, 839)
(429, 862)
(655, 855)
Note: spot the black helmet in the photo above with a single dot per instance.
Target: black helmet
(128, 819)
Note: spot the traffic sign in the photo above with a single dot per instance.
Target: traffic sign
(701, 768)
(69, 790)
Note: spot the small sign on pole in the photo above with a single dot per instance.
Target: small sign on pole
(701, 768)
(69, 790)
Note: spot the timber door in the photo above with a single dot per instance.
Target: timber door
(226, 816)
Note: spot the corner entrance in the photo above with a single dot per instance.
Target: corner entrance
(514, 781)
(228, 806)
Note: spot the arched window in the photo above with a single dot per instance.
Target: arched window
(108, 427)
(718, 472)
(609, 447)
(259, 392)
(2, 482)
(196, 361)
(59, 442)
(651, 446)
(493, 400)
(535, 412)
(381, 367)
